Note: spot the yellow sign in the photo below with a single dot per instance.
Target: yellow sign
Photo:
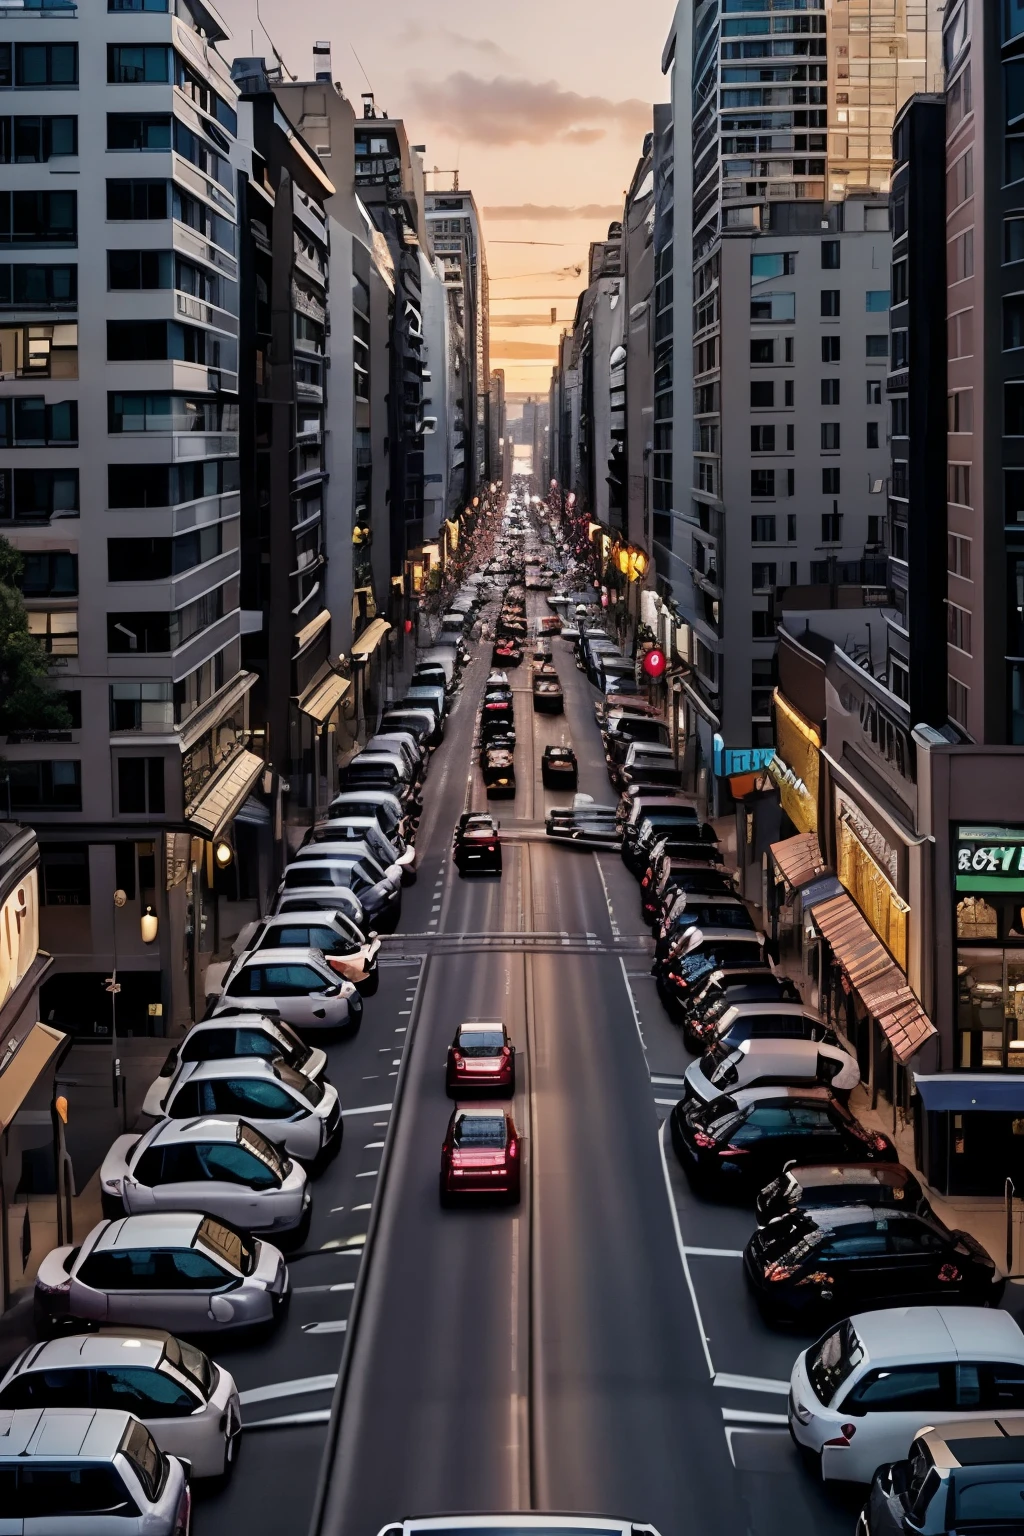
(794, 769)
(884, 908)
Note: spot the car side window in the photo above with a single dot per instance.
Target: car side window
(292, 981)
(865, 1239)
(193, 1271)
(49, 1491)
(148, 1394)
(809, 1119)
(1002, 1387)
(905, 1389)
(47, 1389)
(185, 1102)
(252, 1042)
(234, 1165)
(181, 1164)
(265, 1101)
(126, 1269)
(915, 1237)
(248, 982)
(149, 1167)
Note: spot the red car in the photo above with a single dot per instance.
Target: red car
(481, 1155)
(481, 1056)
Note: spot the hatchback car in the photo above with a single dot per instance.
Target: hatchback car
(861, 1395)
(702, 910)
(499, 774)
(856, 1256)
(758, 1063)
(480, 1155)
(806, 1187)
(966, 1476)
(218, 1164)
(709, 950)
(481, 1056)
(727, 988)
(176, 1269)
(246, 1034)
(337, 937)
(352, 867)
(558, 768)
(81, 1469)
(387, 808)
(296, 984)
(547, 696)
(747, 1138)
(477, 849)
(302, 1117)
(386, 849)
(188, 1404)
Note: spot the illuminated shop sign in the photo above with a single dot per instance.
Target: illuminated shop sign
(730, 760)
(989, 859)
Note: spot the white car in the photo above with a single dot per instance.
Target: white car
(213, 1163)
(69, 1470)
(725, 1067)
(302, 1117)
(861, 1394)
(296, 985)
(177, 1269)
(188, 1404)
(367, 829)
(516, 1525)
(243, 1034)
(336, 936)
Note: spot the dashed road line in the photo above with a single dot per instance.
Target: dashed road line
(751, 1384)
(715, 1253)
(333, 1325)
(296, 1388)
(682, 1255)
(315, 1416)
(632, 1004)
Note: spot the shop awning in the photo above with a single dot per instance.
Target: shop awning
(25, 1068)
(225, 793)
(962, 1092)
(309, 632)
(370, 638)
(798, 859)
(879, 982)
(319, 701)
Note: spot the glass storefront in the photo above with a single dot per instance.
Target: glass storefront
(989, 911)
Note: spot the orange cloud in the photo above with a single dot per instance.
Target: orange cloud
(510, 351)
(512, 111)
(553, 212)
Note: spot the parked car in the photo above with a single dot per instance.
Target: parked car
(176, 1269)
(723, 989)
(481, 1155)
(506, 653)
(757, 1063)
(302, 1117)
(480, 1057)
(331, 898)
(419, 721)
(353, 868)
(366, 829)
(862, 1394)
(547, 696)
(644, 818)
(217, 1164)
(496, 741)
(188, 1404)
(338, 939)
(709, 950)
(645, 766)
(585, 823)
(499, 773)
(967, 1475)
(477, 849)
(558, 768)
(805, 1187)
(296, 984)
(678, 877)
(432, 694)
(702, 909)
(773, 1021)
(746, 1138)
(88, 1469)
(387, 808)
(410, 749)
(855, 1256)
(379, 770)
(245, 1034)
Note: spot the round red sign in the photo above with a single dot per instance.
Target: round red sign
(654, 662)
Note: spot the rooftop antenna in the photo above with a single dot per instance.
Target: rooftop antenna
(273, 45)
(360, 63)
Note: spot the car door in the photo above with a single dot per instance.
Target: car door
(141, 1182)
(297, 990)
(888, 1407)
(193, 1279)
(236, 1181)
(859, 1259)
(180, 1183)
(163, 1405)
(926, 1268)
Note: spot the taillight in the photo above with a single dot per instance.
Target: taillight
(779, 1271)
(492, 847)
(512, 1147)
(506, 1050)
(819, 1277)
(880, 1143)
(702, 1139)
(457, 1058)
(847, 1432)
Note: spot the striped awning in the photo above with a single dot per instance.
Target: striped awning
(320, 700)
(798, 859)
(225, 793)
(874, 975)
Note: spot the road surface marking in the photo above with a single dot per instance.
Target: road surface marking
(308, 1290)
(400, 1029)
(669, 1102)
(347, 1242)
(368, 1109)
(317, 1416)
(736, 1430)
(716, 1253)
(748, 1416)
(289, 1389)
(682, 1254)
(336, 1325)
(360, 1207)
(403, 1013)
(371, 1175)
(632, 1004)
(335, 1209)
(667, 1082)
(607, 901)
(751, 1383)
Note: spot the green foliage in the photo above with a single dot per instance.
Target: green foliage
(27, 700)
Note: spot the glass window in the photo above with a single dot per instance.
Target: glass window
(877, 301)
(252, 1096)
(193, 1271)
(905, 1388)
(236, 1165)
(146, 1393)
(51, 1490)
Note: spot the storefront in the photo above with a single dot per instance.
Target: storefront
(969, 1131)
(794, 767)
(988, 882)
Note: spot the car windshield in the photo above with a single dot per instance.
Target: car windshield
(480, 1131)
(833, 1360)
(259, 1146)
(191, 1362)
(149, 1465)
(226, 1244)
(988, 1501)
(480, 1042)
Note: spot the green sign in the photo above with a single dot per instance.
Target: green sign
(990, 859)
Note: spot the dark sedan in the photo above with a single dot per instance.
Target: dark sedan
(748, 1137)
(477, 850)
(499, 773)
(496, 741)
(721, 990)
(547, 696)
(558, 768)
(855, 1257)
(884, 1185)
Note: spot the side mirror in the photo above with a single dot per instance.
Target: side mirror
(372, 934)
(334, 991)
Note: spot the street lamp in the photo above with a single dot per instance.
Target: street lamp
(150, 925)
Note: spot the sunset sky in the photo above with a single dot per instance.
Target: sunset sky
(541, 105)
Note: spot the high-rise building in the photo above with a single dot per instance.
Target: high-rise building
(454, 224)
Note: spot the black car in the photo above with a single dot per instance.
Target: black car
(721, 990)
(558, 768)
(477, 848)
(677, 978)
(882, 1185)
(547, 696)
(746, 1139)
(499, 773)
(496, 741)
(853, 1258)
(679, 877)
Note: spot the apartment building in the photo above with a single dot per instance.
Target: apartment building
(638, 223)
(120, 483)
(453, 221)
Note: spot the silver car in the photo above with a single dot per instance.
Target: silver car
(336, 937)
(215, 1163)
(302, 1117)
(244, 1034)
(188, 1404)
(297, 985)
(63, 1471)
(178, 1270)
(387, 850)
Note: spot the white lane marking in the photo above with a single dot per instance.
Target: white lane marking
(400, 1029)
(335, 1209)
(367, 1109)
(403, 1013)
(373, 1146)
(748, 1416)
(632, 1004)
(670, 1102)
(667, 1082)
(336, 1325)
(608, 902)
(309, 1290)
(682, 1254)
(343, 1243)
(371, 1078)
(735, 1429)
(360, 1207)
(751, 1384)
(377, 1124)
(295, 1388)
(317, 1416)
(716, 1253)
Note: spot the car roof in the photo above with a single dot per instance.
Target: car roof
(782, 1093)
(481, 1024)
(296, 918)
(788, 1046)
(944, 1333)
(228, 1066)
(174, 1229)
(847, 1215)
(351, 796)
(286, 954)
(202, 1128)
(492, 1111)
(818, 1175)
(768, 1008)
(990, 1450)
(62, 1432)
(116, 1347)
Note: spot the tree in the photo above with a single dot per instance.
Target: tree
(27, 700)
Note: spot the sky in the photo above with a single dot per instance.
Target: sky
(542, 105)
